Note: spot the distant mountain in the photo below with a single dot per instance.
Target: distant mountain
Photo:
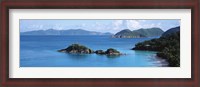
(63, 32)
(171, 31)
(149, 32)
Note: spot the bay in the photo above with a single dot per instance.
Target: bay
(41, 51)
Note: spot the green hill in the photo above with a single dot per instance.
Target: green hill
(171, 31)
(126, 33)
(168, 46)
(149, 32)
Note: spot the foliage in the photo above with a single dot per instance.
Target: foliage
(77, 48)
(171, 31)
(112, 50)
(126, 33)
(149, 32)
(168, 47)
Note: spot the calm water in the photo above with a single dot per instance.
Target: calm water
(41, 51)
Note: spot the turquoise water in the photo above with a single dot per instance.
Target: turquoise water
(41, 51)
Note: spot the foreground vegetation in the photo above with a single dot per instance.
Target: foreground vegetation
(168, 47)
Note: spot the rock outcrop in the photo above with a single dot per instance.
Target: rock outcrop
(77, 48)
(109, 51)
(112, 51)
(80, 49)
(99, 52)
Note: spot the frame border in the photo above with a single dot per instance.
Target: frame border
(118, 4)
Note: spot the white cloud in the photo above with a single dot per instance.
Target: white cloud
(38, 27)
(112, 26)
(83, 25)
(117, 24)
(133, 24)
(58, 26)
(137, 24)
(41, 27)
(142, 20)
(179, 21)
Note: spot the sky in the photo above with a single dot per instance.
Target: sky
(112, 26)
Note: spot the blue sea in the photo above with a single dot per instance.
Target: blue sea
(41, 51)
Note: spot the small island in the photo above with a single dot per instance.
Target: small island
(80, 49)
(109, 51)
(76, 48)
